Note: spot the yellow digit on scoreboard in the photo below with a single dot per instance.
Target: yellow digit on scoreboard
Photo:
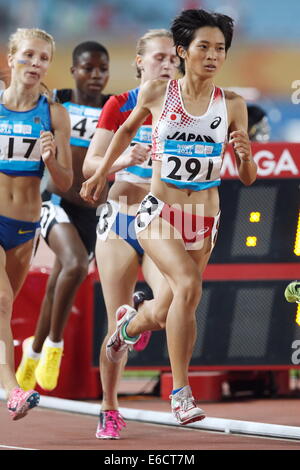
(254, 217)
(251, 241)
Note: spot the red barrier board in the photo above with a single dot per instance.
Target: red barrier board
(274, 160)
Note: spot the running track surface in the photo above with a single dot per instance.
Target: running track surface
(45, 429)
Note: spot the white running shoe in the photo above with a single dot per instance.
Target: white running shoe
(184, 407)
(119, 343)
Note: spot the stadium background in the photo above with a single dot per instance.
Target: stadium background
(263, 62)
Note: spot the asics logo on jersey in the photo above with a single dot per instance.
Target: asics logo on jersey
(216, 122)
(203, 231)
(22, 232)
(190, 137)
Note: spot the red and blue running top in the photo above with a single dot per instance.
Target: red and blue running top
(113, 115)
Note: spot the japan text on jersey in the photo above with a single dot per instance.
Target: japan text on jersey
(191, 148)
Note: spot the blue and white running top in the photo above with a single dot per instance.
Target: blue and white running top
(83, 123)
(191, 148)
(83, 118)
(20, 138)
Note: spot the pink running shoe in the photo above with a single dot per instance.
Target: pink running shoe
(184, 408)
(143, 342)
(110, 424)
(138, 298)
(19, 402)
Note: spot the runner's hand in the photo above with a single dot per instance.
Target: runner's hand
(47, 146)
(91, 189)
(136, 154)
(241, 144)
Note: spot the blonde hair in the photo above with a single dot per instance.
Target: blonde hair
(142, 43)
(29, 33)
(32, 33)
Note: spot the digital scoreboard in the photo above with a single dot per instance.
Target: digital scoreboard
(260, 223)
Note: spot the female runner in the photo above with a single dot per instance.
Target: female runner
(117, 250)
(192, 119)
(34, 133)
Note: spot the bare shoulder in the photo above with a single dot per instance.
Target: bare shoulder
(236, 106)
(59, 114)
(233, 99)
(57, 108)
(237, 111)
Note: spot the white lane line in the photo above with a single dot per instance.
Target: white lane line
(208, 424)
(15, 448)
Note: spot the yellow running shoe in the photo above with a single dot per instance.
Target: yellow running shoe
(47, 371)
(25, 374)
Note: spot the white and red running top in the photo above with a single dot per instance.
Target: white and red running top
(191, 148)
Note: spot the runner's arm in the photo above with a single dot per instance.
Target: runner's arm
(239, 138)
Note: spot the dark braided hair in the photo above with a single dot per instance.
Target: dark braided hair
(186, 24)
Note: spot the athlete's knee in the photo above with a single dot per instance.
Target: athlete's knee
(190, 290)
(6, 303)
(76, 269)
